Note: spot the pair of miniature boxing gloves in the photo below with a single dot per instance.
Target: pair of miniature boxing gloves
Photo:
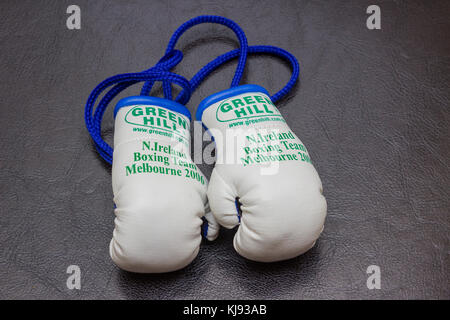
(263, 182)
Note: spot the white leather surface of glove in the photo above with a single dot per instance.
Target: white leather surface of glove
(268, 170)
(159, 193)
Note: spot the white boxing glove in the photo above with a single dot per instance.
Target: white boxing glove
(159, 193)
(263, 178)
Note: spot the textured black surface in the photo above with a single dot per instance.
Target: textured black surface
(372, 107)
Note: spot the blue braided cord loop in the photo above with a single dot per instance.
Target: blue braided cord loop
(207, 19)
(223, 21)
(121, 82)
(216, 63)
(160, 73)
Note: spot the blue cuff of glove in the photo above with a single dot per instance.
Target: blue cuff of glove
(232, 92)
(154, 101)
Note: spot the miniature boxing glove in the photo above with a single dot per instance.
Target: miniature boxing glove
(263, 179)
(159, 193)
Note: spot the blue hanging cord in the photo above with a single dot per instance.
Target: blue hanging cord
(160, 72)
(216, 63)
(204, 72)
(243, 50)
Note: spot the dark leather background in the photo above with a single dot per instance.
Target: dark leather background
(372, 107)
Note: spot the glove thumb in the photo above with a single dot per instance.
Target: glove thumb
(222, 200)
(210, 227)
